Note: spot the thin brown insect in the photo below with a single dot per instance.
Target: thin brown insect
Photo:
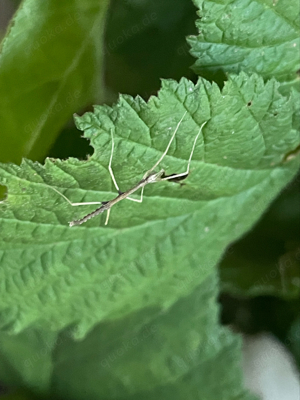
(149, 177)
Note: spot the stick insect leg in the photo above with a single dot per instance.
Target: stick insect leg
(111, 174)
(167, 149)
(161, 158)
(110, 161)
(190, 158)
(107, 216)
(83, 204)
(137, 200)
(75, 204)
(114, 179)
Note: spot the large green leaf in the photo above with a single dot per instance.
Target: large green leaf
(252, 36)
(83, 275)
(50, 65)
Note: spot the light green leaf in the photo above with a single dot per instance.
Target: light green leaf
(251, 36)
(59, 275)
(50, 65)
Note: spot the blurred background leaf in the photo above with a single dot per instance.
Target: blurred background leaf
(51, 66)
(267, 260)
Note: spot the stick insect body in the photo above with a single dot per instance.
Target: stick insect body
(106, 205)
(149, 177)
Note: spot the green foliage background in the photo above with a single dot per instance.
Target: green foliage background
(130, 311)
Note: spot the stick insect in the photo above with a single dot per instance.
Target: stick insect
(148, 177)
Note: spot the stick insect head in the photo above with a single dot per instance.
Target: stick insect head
(155, 176)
